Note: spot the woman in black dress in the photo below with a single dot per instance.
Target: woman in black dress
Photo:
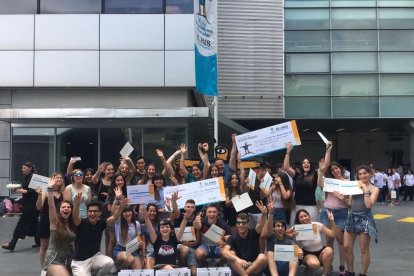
(27, 224)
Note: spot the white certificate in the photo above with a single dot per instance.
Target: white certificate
(136, 272)
(241, 202)
(127, 149)
(252, 179)
(306, 232)
(267, 139)
(323, 138)
(343, 187)
(132, 246)
(266, 182)
(188, 235)
(39, 180)
(214, 233)
(285, 253)
(140, 194)
(202, 192)
(213, 271)
(182, 271)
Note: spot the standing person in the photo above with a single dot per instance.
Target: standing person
(27, 224)
(392, 184)
(242, 250)
(233, 188)
(305, 182)
(76, 187)
(127, 169)
(42, 205)
(379, 180)
(140, 172)
(409, 185)
(62, 234)
(338, 205)
(361, 222)
(152, 212)
(397, 183)
(87, 259)
(282, 196)
(102, 180)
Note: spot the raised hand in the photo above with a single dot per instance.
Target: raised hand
(38, 190)
(52, 182)
(78, 199)
(330, 215)
(329, 145)
(118, 192)
(101, 167)
(183, 148)
(175, 197)
(270, 204)
(261, 206)
(322, 165)
(174, 180)
(289, 147)
(160, 154)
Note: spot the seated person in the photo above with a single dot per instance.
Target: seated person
(242, 251)
(208, 248)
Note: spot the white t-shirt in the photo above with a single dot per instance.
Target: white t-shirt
(391, 181)
(132, 232)
(313, 245)
(409, 180)
(397, 179)
(379, 179)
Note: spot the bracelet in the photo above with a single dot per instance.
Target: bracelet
(49, 189)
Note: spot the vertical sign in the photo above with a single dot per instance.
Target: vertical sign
(205, 28)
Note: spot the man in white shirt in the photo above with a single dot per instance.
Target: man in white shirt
(379, 181)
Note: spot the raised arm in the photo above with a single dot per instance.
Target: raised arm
(268, 226)
(233, 153)
(148, 223)
(51, 202)
(286, 161)
(40, 198)
(323, 166)
(175, 211)
(67, 194)
(130, 164)
(203, 153)
(117, 214)
(182, 227)
(197, 222)
(262, 220)
(99, 171)
(75, 213)
(183, 150)
(334, 232)
(71, 164)
(242, 172)
(321, 177)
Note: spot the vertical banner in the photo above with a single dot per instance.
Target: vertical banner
(205, 44)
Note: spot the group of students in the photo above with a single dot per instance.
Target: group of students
(96, 203)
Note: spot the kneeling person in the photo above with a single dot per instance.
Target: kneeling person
(242, 250)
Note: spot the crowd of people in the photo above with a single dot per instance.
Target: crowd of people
(80, 207)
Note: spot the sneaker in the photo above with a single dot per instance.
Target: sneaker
(8, 246)
(341, 270)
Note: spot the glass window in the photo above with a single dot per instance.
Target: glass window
(358, 40)
(402, 62)
(397, 18)
(392, 84)
(18, 6)
(355, 85)
(307, 85)
(79, 142)
(353, 3)
(36, 145)
(354, 18)
(306, 3)
(355, 107)
(354, 62)
(307, 107)
(307, 41)
(401, 107)
(395, 3)
(70, 6)
(396, 40)
(306, 19)
(302, 63)
(179, 6)
(134, 6)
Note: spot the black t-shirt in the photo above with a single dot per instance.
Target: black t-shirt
(304, 187)
(247, 249)
(255, 196)
(272, 241)
(165, 251)
(88, 239)
(177, 222)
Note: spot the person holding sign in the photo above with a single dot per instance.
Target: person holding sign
(127, 231)
(165, 241)
(43, 228)
(27, 224)
(361, 222)
(305, 182)
(126, 169)
(315, 254)
(338, 204)
(242, 250)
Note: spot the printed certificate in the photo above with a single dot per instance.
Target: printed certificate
(241, 202)
(343, 187)
(306, 232)
(285, 253)
(140, 194)
(127, 149)
(202, 192)
(267, 139)
(266, 182)
(252, 179)
(132, 245)
(188, 235)
(39, 180)
(214, 233)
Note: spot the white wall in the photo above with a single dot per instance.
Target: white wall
(92, 50)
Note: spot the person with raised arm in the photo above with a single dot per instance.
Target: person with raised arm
(76, 187)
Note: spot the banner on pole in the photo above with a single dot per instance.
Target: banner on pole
(205, 46)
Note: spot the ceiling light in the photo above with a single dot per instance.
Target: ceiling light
(375, 129)
(304, 130)
(340, 129)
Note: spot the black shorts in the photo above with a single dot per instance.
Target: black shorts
(43, 226)
(317, 253)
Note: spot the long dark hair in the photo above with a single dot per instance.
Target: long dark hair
(31, 166)
(111, 192)
(297, 215)
(146, 176)
(63, 228)
(308, 177)
(290, 202)
(230, 189)
(125, 225)
(157, 176)
(336, 164)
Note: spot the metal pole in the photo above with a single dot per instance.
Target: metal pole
(215, 121)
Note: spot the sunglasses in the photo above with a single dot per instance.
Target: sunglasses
(78, 174)
(241, 222)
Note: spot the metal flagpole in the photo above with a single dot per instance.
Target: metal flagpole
(215, 121)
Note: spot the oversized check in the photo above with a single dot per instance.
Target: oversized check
(202, 192)
(285, 253)
(140, 194)
(343, 187)
(306, 232)
(267, 139)
(39, 180)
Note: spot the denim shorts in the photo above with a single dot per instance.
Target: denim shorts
(191, 260)
(119, 248)
(340, 215)
(213, 251)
